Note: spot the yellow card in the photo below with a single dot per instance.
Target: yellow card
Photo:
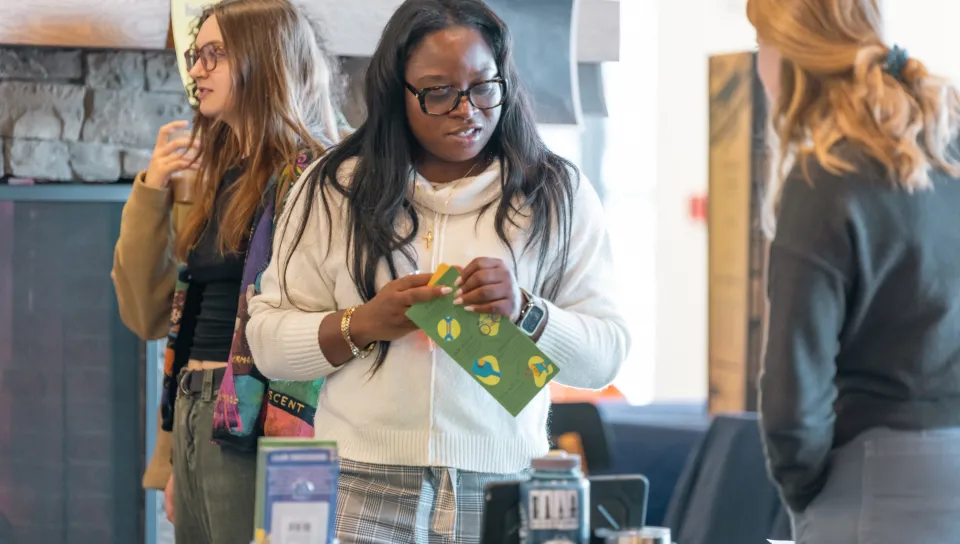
(441, 270)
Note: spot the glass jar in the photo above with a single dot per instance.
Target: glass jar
(555, 502)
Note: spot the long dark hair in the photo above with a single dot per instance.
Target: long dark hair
(376, 197)
(284, 99)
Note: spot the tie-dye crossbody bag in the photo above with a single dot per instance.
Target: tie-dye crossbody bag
(250, 405)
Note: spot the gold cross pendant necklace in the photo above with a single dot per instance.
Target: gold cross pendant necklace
(428, 237)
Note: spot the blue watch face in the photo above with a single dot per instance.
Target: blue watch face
(532, 320)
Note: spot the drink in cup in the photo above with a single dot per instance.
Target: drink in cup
(183, 182)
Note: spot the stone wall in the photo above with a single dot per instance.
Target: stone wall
(76, 115)
(93, 115)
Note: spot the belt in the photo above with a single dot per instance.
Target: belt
(191, 381)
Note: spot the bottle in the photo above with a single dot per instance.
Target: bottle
(555, 502)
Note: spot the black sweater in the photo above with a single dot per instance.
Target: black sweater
(210, 311)
(864, 330)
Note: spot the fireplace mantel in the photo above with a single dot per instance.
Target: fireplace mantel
(353, 26)
(115, 24)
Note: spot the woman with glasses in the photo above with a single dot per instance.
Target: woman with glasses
(263, 85)
(449, 168)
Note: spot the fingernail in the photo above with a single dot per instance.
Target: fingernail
(445, 291)
(458, 301)
(468, 308)
(458, 283)
(459, 293)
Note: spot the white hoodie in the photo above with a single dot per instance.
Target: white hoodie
(420, 408)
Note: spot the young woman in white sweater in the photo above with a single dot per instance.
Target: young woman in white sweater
(448, 168)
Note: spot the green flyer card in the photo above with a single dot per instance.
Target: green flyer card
(498, 355)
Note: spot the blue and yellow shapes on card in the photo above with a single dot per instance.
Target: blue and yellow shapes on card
(489, 324)
(487, 370)
(448, 328)
(541, 369)
(491, 349)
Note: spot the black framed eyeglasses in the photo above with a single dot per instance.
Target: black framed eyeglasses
(441, 100)
(207, 55)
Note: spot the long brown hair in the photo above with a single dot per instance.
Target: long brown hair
(283, 102)
(835, 85)
(534, 179)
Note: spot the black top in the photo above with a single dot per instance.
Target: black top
(864, 289)
(214, 288)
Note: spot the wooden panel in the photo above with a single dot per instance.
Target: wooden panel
(134, 24)
(736, 254)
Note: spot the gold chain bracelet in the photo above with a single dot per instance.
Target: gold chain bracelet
(345, 332)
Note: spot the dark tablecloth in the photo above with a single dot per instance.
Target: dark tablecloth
(654, 440)
(724, 494)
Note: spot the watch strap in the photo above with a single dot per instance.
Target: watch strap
(532, 306)
(528, 303)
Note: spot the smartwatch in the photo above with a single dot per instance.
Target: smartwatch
(532, 314)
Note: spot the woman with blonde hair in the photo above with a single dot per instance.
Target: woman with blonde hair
(860, 392)
(183, 271)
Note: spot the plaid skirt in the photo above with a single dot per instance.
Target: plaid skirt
(386, 504)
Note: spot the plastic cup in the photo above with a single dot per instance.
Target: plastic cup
(183, 183)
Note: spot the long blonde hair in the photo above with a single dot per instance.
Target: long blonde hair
(285, 100)
(835, 85)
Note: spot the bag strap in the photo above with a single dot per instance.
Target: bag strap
(284, 180)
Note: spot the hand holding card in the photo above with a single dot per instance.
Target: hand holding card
(384, 318)
(489, 347)
(487, 286)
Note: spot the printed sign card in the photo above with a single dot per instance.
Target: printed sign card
(296, 491)
(498, 355)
